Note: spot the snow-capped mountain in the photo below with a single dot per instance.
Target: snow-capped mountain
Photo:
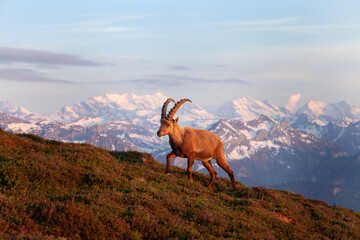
(348, 138)
(343, 132)
(15, 111)
(6, 119)
(119, 135)
(322, 113)
(247, 108)
(130, 136)
(192, 114)
(141, 110)
(271, 149)
(111, 107)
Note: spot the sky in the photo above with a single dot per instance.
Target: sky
(56, 53)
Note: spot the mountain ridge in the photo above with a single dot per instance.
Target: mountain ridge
(323, 113)
(245, 108)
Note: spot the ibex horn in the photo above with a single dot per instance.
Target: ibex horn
(176, 107)
(164, 108)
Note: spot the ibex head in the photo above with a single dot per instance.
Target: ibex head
(167, 121)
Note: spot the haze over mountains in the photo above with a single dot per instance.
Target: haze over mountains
(309, 151)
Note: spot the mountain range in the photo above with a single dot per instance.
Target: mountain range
(265, 144)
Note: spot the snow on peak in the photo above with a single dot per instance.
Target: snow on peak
(194, 115)
(115, 106)
(141, 110)
(132, 101)
(317, 107)
(345, 122)
(326, 112)
(247, 108)
(13, 110)
(313, 109)
(129, 102)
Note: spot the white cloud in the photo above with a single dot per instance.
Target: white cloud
(27, 75)
(10, 55)
(293, 100)
(111, 29)
(264, 22)
(110, 23)
(289, 24)
(180, 68)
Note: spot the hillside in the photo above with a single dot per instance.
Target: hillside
(50, 189)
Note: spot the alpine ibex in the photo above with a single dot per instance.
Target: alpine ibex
(191, 143)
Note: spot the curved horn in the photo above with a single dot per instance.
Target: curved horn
(164, 107)
(176, 107)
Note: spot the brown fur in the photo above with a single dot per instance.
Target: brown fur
(192, 143)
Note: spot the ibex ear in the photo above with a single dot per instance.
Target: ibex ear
(176, 120)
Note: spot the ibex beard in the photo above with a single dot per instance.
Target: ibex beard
(192, 143)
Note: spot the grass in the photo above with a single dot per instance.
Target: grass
(53, 190)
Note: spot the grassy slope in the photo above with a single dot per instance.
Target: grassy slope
(50, 189)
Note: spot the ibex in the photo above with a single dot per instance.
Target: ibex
(191, 143)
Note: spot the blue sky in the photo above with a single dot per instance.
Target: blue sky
(54, 53)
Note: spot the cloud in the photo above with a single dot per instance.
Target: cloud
(160, 80)
(105, 18)
(289, 24)
(11, 55)
(116, 29)
(265, 22)
(105, 29)
(187, 79)
(27, 75)
(233, 80)
(102, 23)
(313, 28)
(293, 100)
(153, 82)
(169, 80)
(179, 68)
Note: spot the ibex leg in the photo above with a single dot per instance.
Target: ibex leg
(224, 165)
(189, 169)
(212, 172)
(168, 161)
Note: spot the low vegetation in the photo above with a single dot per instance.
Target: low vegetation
(53, 190)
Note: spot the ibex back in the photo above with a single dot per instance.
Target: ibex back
(192, 144)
